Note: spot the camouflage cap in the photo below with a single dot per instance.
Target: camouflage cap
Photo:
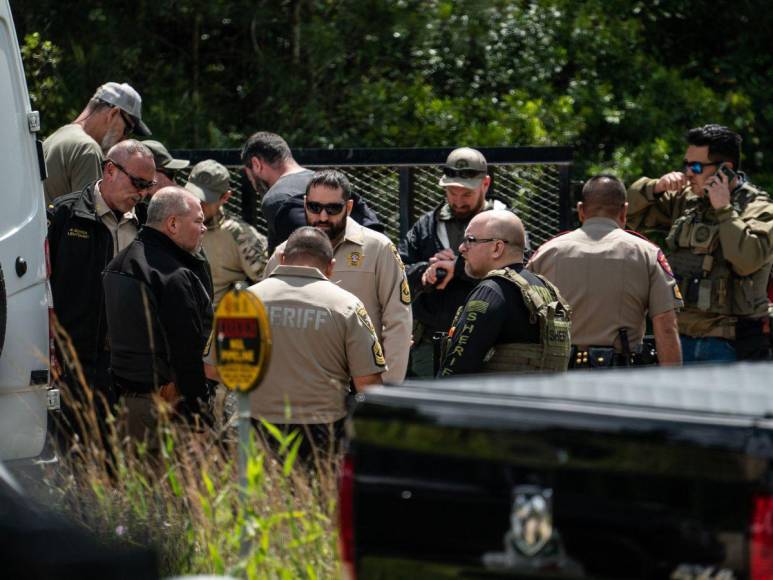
(128, 100)
(465, 167)
(163, 158)
(208, 181)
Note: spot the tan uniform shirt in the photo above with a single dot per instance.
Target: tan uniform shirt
(321, 337)
(611, 278)
(368, 265)
(73, 160)
(235, 251)
(123, 231)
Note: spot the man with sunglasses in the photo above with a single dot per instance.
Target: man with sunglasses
(514, 320)
(272, 171)
(429, 252)
(366, 264)
(613, 280)
(719, 244)
(86, 229)
(74, 153)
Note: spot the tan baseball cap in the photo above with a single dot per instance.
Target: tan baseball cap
(208, 181)
(465, 167)
(163, 158)
(128, 100)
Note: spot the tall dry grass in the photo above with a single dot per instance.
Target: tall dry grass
(185, 499)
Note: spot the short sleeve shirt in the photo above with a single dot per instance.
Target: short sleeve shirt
(367, 265)
(611, 278)
(73, 160)
(321, 337)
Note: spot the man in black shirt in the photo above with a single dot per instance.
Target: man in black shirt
(513, 321)
(158, 298)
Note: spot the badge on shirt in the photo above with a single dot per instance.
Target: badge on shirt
(678, 293)
(355, 259)
(663, 261)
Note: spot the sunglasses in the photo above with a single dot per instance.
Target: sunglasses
(169, 173)
(331, 208)
(128, 128)
(138, 183)
(697, 166)
(470, 240)
(463, 173)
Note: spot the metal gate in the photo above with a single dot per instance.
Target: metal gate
(402, 184)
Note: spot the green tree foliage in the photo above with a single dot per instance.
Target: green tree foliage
(620, 80)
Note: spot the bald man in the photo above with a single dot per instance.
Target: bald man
(158, 300)
(613, 279)
(86, 229)
(513, 321)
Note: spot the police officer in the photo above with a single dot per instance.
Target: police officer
(235, 250)
(435, 271)
(366, 264)
(513, 321)
(719, 245)
(612, 279)
(321, 337)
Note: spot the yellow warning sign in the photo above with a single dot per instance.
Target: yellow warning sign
(242, 340)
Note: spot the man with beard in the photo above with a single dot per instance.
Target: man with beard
(435, 271)
(719, 244)
(366, 264)
(86, 229)
(271, 168)
(514, 320)
(74, 152)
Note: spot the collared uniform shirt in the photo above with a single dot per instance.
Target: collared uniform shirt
(321, 337)
(122, 231)
(611, 278)
(367, 265)
(235, 251)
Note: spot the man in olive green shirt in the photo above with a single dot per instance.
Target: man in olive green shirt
(719, 244)
(74, 153)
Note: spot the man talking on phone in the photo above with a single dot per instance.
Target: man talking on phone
(719, 245)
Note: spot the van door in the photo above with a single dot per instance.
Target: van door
(24, 301)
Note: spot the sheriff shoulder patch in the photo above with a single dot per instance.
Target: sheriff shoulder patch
(663, 261)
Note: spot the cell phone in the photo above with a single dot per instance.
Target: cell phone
(727, 172)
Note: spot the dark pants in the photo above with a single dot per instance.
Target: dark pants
(320, 440)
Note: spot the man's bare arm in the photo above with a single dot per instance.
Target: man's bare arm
(667, 339)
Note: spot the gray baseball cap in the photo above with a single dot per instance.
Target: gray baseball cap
(163, 158)
(208, 181)
(465, 167)
(128, 100)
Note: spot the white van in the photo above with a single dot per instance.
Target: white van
(24, 296)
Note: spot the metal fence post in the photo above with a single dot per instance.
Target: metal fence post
(564, 197)
(406, 199)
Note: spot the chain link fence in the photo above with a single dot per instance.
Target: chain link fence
(402, 184)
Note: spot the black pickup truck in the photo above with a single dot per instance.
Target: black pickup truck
(651, 473)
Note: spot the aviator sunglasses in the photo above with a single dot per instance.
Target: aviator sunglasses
(697, 166)
(463, 173)
(137, 182)
(331, 208)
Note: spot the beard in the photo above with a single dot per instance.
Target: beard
(333, 229)
(112, 137)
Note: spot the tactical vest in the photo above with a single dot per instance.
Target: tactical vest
(706, 280)
(545, 305)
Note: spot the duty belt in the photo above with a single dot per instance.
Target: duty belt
(601, 357)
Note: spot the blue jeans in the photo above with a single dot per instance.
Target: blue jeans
(710, 349)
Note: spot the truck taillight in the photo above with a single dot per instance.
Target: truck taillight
(761, 541)
(346, 517)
